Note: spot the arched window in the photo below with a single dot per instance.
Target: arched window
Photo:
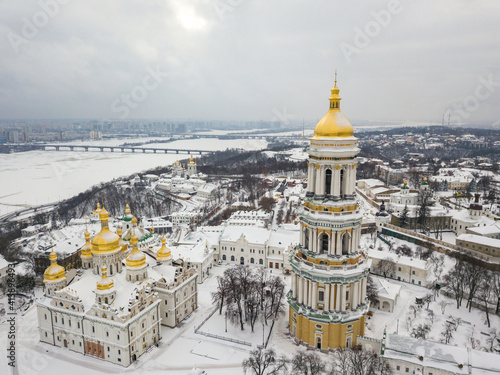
(252, 260)
(341, 182)
(345, 244)
(242, 260)
(324, 244)
(111, 270)
(261, 261)
(328, 182)
(306, 238)
(232, 258)
(224, 257)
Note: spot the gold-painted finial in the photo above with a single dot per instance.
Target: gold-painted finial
(335, 77)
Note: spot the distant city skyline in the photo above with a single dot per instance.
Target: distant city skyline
(222, 60)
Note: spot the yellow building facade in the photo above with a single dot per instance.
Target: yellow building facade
(328, 301)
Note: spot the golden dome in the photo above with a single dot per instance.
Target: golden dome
(105, 283)
(152, 228)
(192, 162)
(106, 241)
(54, 272)
(127, 209)
(86, 250)
(134, 220)
(164, 251)
(136, 258)
(334, 123)
(98, 209)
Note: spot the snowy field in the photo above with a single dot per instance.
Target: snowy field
(40, 177)
(402, 320)
(472, 330)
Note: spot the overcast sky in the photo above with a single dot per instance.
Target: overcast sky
(250, 59)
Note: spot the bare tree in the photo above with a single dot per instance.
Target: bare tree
(427, 299)
(485, 294)
(443, 305)
(385, 267)
(358, 362)
(222, 292)
(421, 331)
(492, 339)
(431, 315)
(404, 250)
(473, 276)
(264, 362)
(447, 333)
(414, 309)
(455, 283)
(371, 290)
(437, 261)
(307, 363)
(424, 202)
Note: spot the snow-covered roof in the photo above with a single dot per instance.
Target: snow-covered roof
(441, 356)
(481, 240)
(386, 289)
(84, 286)
(252, 234)
(486, 230)
(399, 259)
(283, 237)
(381, 189)
(371, 182)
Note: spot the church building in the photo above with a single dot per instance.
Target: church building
(115, 306)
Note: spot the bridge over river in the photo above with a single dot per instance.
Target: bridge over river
(96, 148)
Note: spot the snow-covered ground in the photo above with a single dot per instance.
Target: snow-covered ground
(179, 351)
(473, 324)
(402, 320)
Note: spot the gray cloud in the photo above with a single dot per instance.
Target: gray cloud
(257, 56)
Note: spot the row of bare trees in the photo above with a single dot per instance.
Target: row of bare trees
(249, 294)
(473, 283)
(342, 362)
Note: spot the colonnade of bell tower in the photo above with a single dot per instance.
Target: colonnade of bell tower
(331, 180)
(329, 273)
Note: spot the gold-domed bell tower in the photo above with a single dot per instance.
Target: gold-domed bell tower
(191, 167)
(136, 262)
(54, 276)
(106, 249)
(329, 274)
(86, 252)
(105, 292)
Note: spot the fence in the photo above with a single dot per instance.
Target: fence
(197, 330)
(492, 263)
(224, 338)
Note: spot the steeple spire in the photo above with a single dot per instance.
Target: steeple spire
(335, 77)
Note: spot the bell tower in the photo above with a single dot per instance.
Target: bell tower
(328, 300)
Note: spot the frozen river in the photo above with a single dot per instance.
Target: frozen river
(39, 177)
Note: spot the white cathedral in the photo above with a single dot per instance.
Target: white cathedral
(115, 309)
